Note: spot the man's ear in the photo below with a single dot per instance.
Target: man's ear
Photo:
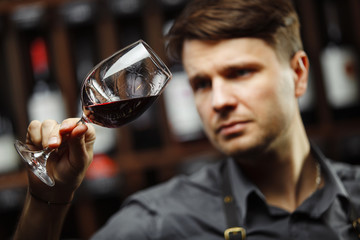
(300, 66)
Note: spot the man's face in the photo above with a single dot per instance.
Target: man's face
(243, 93)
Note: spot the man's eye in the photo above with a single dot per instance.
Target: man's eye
(235, 73)
(201, 84)
(243, 72)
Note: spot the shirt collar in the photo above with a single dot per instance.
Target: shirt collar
(242, 187)
(333, 186)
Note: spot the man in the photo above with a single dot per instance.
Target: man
(246, 66)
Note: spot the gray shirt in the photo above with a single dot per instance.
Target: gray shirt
(191, 207)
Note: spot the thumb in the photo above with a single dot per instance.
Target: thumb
(80, 142)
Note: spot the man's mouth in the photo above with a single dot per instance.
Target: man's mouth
(231, 128)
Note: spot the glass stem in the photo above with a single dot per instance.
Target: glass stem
(82, 120)
(41, 157)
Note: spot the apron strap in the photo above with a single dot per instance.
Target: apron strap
(354, 218)
(233, 231)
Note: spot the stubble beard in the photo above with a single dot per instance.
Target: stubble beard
(247, 149)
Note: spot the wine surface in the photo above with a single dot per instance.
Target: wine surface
(118, 113)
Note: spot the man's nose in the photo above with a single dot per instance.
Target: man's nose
(223, 98)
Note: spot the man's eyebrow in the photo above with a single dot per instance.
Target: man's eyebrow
(197, 77)
(229, 67)
(241, 65)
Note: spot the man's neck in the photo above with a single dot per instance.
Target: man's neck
(286, 175)
(288, 185)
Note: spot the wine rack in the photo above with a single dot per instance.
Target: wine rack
(82, 32)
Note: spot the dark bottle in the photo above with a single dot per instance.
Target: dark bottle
(9, 160)
(339, 63)
(130, 17)
(79, 19)
(45, 100)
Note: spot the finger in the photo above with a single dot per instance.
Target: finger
(90, 135)
(82, 134)
(77, 147)
(33, 135)
(73, 128)
(68, 125)
(50, 134)
(79, 130)
(80, 145)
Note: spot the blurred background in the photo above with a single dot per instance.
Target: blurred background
(48, 46)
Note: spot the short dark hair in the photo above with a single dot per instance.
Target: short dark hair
(274, 21)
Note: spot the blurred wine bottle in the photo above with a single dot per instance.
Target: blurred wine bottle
(184, 121)
(9, 160)
(339, 63)
(79, 17)
(183, 118)
(45, 99)
(145, 131)
(128, 15)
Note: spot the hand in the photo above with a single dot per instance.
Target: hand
(68, 164)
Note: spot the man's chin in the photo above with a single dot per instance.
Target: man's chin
(244, 149)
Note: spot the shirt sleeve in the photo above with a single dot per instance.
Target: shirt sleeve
(133, 221)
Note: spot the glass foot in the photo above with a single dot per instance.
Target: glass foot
(36, 161)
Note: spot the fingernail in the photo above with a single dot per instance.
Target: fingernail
(53, 140)
(63, 126)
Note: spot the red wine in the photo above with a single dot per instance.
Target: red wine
(118, 113)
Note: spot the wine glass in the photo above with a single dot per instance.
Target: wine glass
(115, 92)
